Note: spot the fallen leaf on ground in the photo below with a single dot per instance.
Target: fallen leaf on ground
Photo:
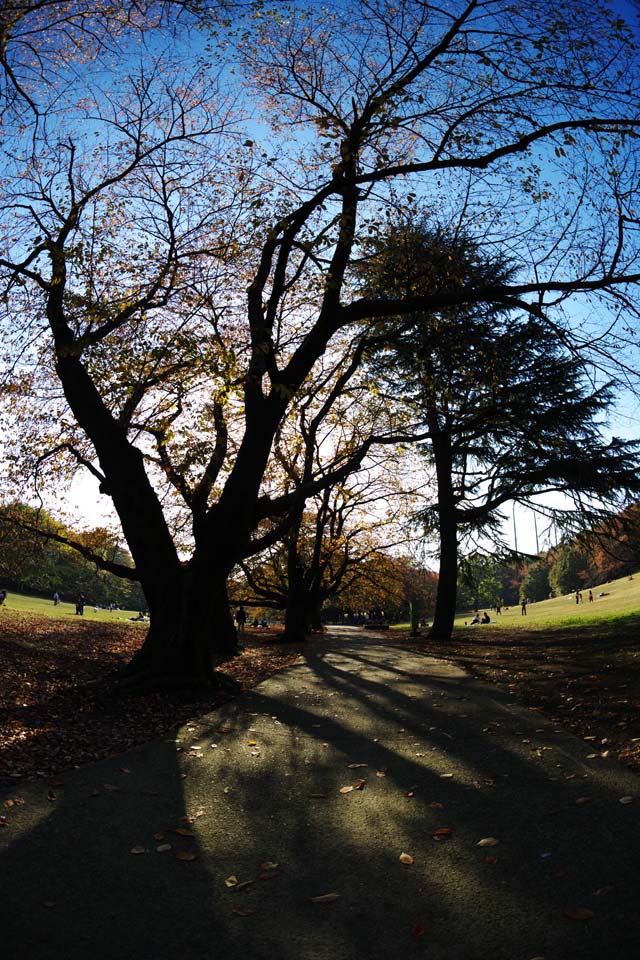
(137, 850)
(442, 832)
(183, 855)
(243, 884)
(359, 784)
(491, 860)
(163, 848)
(242, 911)
(625, 800)
(268, 865)
(604, 891)
(406, 858)
(381, 773)
(582, 800)
(579, 913)
(488, 842)
(231, 881)
(354, 766)
(446, 776)
(183, 832)
(324, 898)
(346, 789)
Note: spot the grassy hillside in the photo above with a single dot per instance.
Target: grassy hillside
(46, 608)
(621, 598)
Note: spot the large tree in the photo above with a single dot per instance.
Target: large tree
(180, 224)
(511, 414)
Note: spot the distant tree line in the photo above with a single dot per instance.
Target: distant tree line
(606, 553)
(33, 563)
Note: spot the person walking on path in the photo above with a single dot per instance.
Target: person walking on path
(241, 618)
(523, 608)
(80, 602)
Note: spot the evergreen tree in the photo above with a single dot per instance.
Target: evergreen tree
(508, 411)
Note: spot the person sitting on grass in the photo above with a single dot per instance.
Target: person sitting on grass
(485, 618)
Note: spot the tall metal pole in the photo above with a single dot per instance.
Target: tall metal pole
(535, 527)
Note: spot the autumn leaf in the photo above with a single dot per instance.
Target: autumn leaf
(488, 842)
(406, 858)
(491, 860)
(582, 800)
(382, 772)
(346, 789)
(137, 850)
(183, 832)
(231, 881)
(603, 891)
(446, 776)
(163, 848)
(359, 784)
(626, 800)
(354, 766)
(325, 898)
(242, 885)
(442, 832)
(268, 865)
(242, 911)
(184, 855)
(579, 913)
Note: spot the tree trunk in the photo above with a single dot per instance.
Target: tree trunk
(296, 620)
(191, 626)
(445, 609)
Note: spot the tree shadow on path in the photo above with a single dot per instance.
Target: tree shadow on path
(445, 762)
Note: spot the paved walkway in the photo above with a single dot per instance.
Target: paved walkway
(438, 762)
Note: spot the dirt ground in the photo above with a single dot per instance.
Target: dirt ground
(587, 680)
(59, 703)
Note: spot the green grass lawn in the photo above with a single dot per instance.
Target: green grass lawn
(622, 599)
(46, 608)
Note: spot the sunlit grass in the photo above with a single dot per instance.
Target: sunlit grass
(611, 601)
(620, 603)
(47, 608)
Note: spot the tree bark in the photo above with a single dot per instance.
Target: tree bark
(191, 626)
(445, 608)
